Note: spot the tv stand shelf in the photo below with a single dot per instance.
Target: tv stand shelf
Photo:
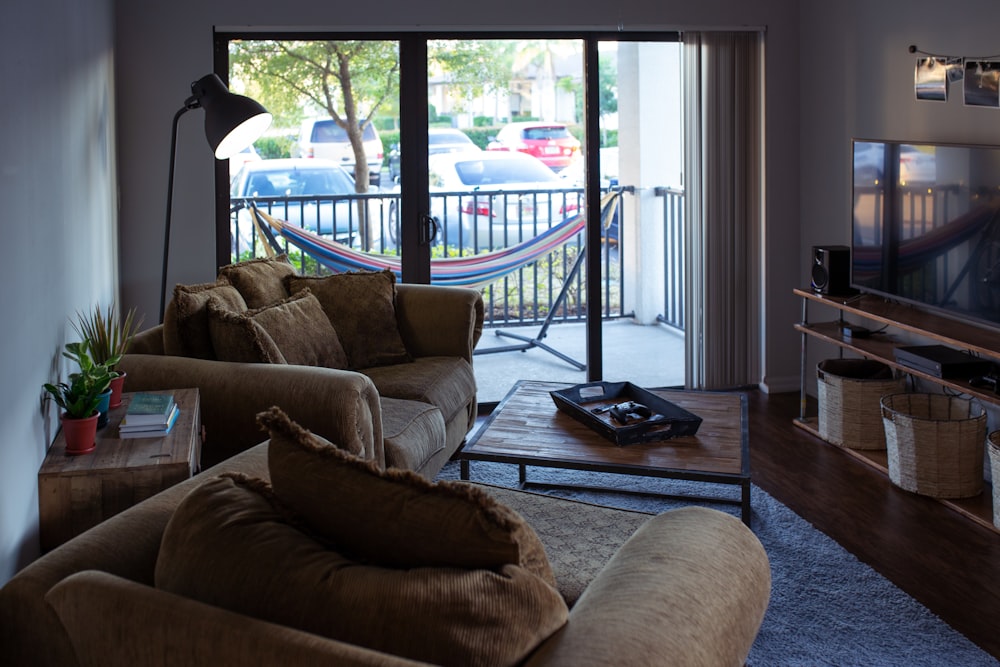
(880, 346)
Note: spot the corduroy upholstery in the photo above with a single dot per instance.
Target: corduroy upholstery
(362, 308)
(266, 567)
(437, 327)
(408, 521)
(689, 588)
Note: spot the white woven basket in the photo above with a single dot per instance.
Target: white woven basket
(934, 443)
(848, 392)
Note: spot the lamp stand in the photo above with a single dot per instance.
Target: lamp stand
(190, 103)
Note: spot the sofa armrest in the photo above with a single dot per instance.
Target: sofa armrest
(140, 625)
(341, 406)
(690, 587)
(125, 545)
(149, 341)
(437, 320)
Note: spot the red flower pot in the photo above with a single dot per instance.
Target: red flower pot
(80, 434)
(116, 390)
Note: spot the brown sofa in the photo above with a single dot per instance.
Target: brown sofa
(412, 412)
(687, 587)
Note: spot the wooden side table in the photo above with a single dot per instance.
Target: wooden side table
(76, 493)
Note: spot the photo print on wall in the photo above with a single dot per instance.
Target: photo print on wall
(931, 79)
(982, 83)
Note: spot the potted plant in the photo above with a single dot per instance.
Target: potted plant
(80, 397)
(109, 337)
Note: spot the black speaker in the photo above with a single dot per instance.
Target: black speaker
(831, 270)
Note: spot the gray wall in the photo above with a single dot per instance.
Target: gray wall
(59, 240)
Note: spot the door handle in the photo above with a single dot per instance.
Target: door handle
(428, 228)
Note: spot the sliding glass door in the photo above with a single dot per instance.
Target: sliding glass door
(537, 168)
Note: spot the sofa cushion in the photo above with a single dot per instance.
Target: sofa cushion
(394, 517)
(448, 383)
(261, 281)
(413, 432)
(362, 308)
(294, 331)
(231, 544)
(185, 320)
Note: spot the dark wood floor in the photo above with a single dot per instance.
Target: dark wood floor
(945, 561)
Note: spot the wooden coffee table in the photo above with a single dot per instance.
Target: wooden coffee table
(527, 429)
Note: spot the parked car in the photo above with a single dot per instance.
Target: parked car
(496, 198)
(316, 194)
(551, 143)
(236, 162)
(323, 138)
(439, 140)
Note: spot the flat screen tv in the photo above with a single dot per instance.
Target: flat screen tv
(926, 226)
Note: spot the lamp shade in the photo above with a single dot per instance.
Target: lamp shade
(232, 122)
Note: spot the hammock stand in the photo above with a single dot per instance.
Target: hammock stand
(473, 271)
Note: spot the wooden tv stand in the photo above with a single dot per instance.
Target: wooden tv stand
(876, 313)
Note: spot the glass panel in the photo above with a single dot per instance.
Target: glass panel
(642, 151)
(503, 203)
(322, 163)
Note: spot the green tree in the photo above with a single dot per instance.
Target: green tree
(348, 80)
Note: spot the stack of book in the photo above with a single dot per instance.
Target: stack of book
(149, 416)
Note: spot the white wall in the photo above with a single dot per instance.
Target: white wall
(60, 249)
(857, 81)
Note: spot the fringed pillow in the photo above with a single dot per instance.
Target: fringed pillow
(362, 308)
(231, 543)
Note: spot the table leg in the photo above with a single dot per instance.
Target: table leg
(463, 468)
(745, 504)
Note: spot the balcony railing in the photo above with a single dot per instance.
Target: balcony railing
(471, 224)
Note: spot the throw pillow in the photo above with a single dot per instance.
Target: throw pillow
(231, 544)
(185, 321)
(261, 281)
(293, 331)
(362, 308)
(395, 517)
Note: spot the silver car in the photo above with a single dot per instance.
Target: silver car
(318, 195)
(495, 199)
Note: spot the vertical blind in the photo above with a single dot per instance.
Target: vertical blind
(723, 80)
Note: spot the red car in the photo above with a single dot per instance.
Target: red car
(551, 143)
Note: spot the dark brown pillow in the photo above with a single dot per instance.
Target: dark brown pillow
(185, 321)
(292, 331)
(230, 544)
(362, 308)
(261, 281)
(395, 517)
(238, 338)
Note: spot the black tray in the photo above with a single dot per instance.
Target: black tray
(666, 421)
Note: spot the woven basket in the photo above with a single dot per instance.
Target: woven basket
(995, 474)
(849, 391)
(935, 443)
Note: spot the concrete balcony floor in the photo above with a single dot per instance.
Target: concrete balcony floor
(646, 355)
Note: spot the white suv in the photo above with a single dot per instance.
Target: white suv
(323, 138)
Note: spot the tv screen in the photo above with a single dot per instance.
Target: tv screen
(926, 226)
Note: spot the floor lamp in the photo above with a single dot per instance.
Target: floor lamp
(232, 122)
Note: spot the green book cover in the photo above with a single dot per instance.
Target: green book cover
(150, 404)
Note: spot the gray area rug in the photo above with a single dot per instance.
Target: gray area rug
(827, 607)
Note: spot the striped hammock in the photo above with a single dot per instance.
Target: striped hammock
(472, 271)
